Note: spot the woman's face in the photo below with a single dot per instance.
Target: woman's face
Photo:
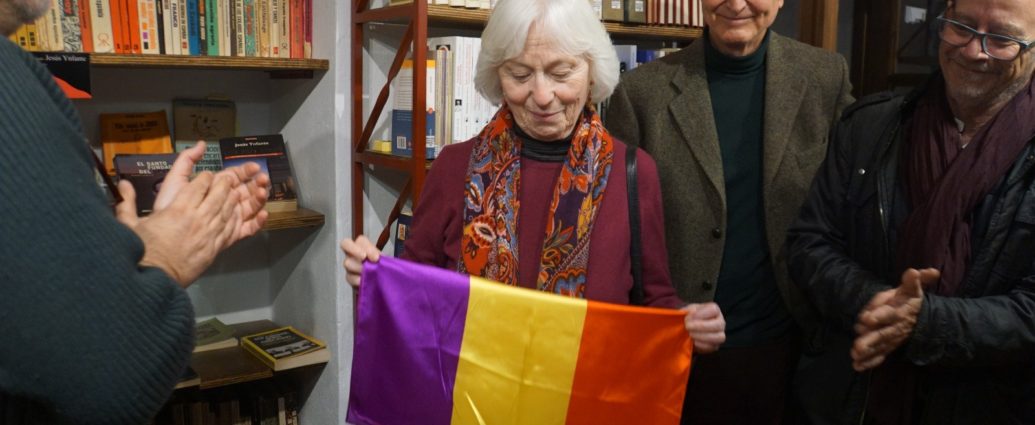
(545, 89)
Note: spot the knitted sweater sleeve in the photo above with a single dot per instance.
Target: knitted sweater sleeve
(88, 334)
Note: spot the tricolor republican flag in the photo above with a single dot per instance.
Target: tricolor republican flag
(436, 347)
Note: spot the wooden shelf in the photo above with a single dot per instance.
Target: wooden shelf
(447, 15)
(439, 15)
(116, 60)
(293, 219)
(233, 365)
(387, 160)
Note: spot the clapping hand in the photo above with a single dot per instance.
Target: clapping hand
(194, 220)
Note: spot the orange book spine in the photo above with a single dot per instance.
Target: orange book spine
(85, 28)
(297, 29)
(117, 22)
(133, 26)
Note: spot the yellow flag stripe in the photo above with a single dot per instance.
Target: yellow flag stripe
(518, 355)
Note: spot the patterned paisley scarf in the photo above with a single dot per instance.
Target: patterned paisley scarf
(489, 246)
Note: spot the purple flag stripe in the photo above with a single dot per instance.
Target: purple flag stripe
(407, 343)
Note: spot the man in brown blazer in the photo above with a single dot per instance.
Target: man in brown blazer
(738, 123)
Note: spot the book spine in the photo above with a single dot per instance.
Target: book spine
(308, 25)
(101, 26)
(40, 25)
(274, 28)
(193, 37)
(21, 37)
(73, 36)
(249, 28)
(150, 41)
(161, 23)
(225, 19)
(55, 27)
(133, 26)
(262, 25)
(32, 34)
(202, 28)
(297, 29)
(117, 22)
(238, 28)
(184, 29)
(284, 29)
(85, 25)
(212, 27)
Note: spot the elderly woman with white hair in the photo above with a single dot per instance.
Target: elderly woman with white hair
(547, 165)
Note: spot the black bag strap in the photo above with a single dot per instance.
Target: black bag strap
(636, 296)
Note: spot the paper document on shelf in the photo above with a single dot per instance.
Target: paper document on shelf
(915, 15)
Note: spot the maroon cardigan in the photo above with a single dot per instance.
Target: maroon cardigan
(434, 237)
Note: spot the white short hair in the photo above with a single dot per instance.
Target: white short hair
(571, 25)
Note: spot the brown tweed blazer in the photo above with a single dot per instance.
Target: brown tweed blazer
(664, 107)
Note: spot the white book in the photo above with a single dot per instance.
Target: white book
(457, 3)
(148, 27)
(471, 4)
(445, 2)
(173, 30)
(598, 7)
(284, 29)
(262, 28)
(184, 33)
(100, 22)
(55, 34)
(224, 27)
(484, 4)
(239, 24)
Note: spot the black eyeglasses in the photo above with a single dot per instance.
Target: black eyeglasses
(996, 46)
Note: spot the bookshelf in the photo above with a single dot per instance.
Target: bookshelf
(234, 365)
(301, 218)
(417, 17)
(288, 273)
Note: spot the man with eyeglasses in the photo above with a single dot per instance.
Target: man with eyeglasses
(917, 240)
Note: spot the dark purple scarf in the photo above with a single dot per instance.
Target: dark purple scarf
(945, 183)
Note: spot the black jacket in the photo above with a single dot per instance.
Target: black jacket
(976, 352)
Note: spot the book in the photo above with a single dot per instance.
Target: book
(133, 133)
(270, 153)
(402, 114)
(285, 348)
(146, 173)
(212, 334)
(209, 120)
(402, 230)
(227, 366)
(71, 72)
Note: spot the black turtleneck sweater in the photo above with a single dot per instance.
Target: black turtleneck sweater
(535, 149)
(746, 291)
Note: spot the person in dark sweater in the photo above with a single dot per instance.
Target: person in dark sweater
(738, 123)
(538, 198)
(96, 325)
